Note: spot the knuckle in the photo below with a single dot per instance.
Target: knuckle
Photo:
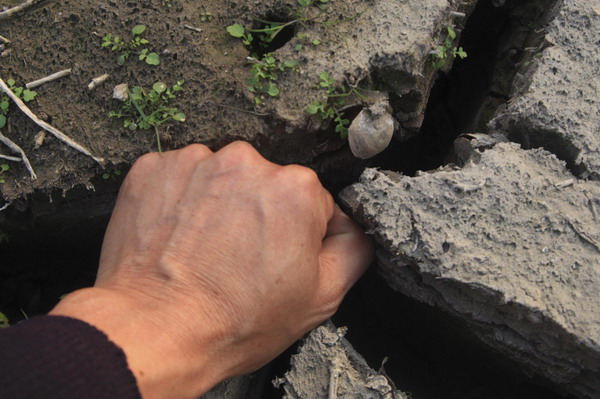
(302, 177)
(145, 163)
(238, 152)
(195, 152)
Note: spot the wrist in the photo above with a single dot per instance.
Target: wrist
(160, 363)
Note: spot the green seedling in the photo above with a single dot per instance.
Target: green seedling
(134, 46)
(112, 174)
(24, 94)
(4, 323)
(206, 16)
(149, 109)
(336, 99)
(441, 53)
(269, 30)
(263, 77)
(3, 169)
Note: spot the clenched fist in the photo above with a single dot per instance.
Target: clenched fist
(214, 263)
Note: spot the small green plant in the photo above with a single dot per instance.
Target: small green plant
(336, 98)
(263, 77)
(111, 174)
(3, 169)
(442, 52)
(269, 30)
(167, 3)
(205, 16)
(4, 323)
(24, 94)
(148, 109)
(134, 46)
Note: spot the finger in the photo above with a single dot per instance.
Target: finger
(330, 209)
(345, 255)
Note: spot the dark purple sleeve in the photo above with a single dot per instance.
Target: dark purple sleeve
(51, 357)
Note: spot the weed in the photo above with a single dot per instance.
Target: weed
(3, 169)
(270, 29)
(134, 46)
(263, 77)
(148, 109)
(206, 16)
(442, 52)
(266, 66)
(336, 99)
(24, 94)
(4, 321)
(111, 174)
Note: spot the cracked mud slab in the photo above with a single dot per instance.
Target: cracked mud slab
(381, 44)
(327, 367)
(510, 244)
(556, 102)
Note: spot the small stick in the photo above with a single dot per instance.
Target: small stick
(4, 40)
(12, 11)
(5, 207)
(565, 183)
(13, 159)
(592, 207)
(193, 28)
(48, 78)
(458, 14)
(333, 381)
(583, 235)
(14, 147)
(57, 133)
(98, 81)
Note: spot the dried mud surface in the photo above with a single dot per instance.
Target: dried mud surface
(504, 245)
(386, 45)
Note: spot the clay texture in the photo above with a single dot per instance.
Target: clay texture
(556, 102)
(510, 244)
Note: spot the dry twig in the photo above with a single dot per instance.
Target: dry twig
(15, 148)
(4, 40)
(334, 375)
(57, 133)
(9, 158)
(48, 78)
(12, 11)
(98, 81)
(193, 28)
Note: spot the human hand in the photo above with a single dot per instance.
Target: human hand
(214, 263)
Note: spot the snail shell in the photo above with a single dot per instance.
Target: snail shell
(372, 130)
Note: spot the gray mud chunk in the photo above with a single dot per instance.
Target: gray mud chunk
(234, 388)
(510, 244)
(327, 367)
(557, 99)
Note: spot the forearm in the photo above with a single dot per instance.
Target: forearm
(160, 368)
(62, 358)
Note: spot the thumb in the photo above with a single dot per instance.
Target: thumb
(345, 255)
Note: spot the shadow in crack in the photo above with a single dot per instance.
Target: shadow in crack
(430, 355)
